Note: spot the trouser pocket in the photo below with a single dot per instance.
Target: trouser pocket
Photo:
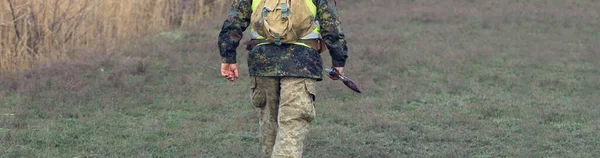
(259, 96)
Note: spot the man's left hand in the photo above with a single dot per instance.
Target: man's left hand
(230, 71)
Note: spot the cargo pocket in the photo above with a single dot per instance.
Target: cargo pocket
(259, 97)
(309, 85)
(310, 89)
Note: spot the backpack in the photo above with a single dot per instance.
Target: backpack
(283, 21)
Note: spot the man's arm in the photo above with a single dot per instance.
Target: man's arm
(230, 36)
(331, 30)
(233, 28)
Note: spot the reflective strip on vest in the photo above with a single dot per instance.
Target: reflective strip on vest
(296, 43)
(315, 34)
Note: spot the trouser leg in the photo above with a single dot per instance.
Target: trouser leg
(296, 111)
(266, 97)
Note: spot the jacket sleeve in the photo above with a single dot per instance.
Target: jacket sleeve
(233, 28)
(331, 30)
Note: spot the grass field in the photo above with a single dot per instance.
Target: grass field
(459, 78)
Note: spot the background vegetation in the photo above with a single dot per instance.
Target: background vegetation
(34, 30)
(460, 78)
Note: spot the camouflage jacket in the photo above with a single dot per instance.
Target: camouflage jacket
(286, 59)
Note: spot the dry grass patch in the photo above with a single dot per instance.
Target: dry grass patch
(33, 30)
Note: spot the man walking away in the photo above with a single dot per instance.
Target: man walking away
(284, 63)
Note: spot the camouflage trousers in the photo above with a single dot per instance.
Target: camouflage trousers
(286, 109)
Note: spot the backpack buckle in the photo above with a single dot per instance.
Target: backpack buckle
(277, 39)
(285, 11)
(265, 11)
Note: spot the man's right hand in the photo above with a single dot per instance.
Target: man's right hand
(340, 70)
(230, 71)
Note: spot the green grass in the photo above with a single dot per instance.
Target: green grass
(440, 79)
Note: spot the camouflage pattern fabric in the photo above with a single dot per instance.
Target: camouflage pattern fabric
(284, 60)
(265, 95)
(286, 110)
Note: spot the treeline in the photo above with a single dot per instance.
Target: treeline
(42, 30)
